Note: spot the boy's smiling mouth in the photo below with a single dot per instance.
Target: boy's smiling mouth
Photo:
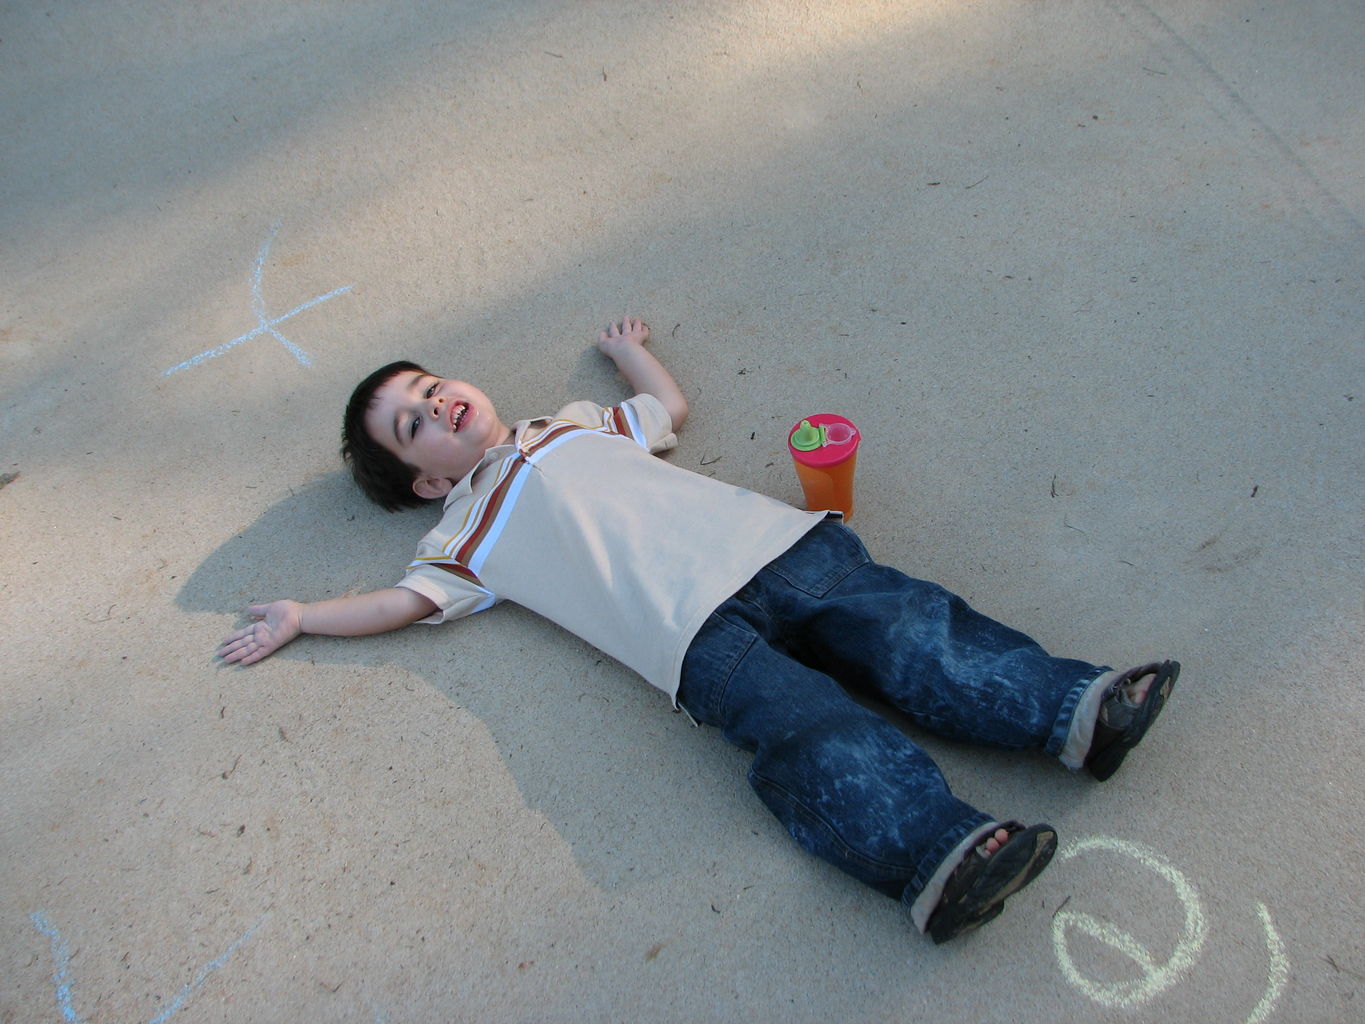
(457, 415)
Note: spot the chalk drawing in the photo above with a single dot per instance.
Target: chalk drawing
(264, 323)
(61, 973)
(1156, 977)
(1279, 969)
(61, 958)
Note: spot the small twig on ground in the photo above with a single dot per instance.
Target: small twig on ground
(1344, 970)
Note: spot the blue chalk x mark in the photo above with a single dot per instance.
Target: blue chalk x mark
(61, 972)
(61, 958)
(264, 324)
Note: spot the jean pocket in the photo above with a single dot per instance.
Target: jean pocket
(710, 662)
(821, 559)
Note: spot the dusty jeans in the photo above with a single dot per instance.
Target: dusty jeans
(773, 668)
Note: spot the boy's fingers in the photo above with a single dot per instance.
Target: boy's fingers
(239, 638)
(244, 648)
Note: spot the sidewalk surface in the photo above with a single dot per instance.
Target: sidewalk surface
(1088, 276)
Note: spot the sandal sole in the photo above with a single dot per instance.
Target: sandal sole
(1106, 762)
(1004, 873)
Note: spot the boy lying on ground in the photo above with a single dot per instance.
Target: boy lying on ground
(751, 615)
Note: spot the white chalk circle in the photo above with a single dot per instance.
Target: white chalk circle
(1279, 968)
(1156, 976)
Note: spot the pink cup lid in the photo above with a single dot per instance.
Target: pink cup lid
(825, 439)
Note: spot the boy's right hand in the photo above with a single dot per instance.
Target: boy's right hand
(277, 623)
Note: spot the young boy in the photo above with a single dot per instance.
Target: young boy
(753, 616)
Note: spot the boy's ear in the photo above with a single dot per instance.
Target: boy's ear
(431, 487)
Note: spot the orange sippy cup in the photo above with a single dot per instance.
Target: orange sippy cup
(824, 448)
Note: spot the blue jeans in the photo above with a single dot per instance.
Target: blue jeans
(774, 666)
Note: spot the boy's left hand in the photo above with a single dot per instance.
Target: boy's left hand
(629, 333)
(624, 345)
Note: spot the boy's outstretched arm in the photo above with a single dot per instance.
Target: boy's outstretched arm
(279, 622)
(624, 345)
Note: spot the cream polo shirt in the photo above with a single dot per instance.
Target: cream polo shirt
(579, 522)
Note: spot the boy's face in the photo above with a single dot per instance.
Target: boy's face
(441, 426)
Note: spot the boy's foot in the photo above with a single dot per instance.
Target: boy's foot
(1129, 708)
(1010, 858)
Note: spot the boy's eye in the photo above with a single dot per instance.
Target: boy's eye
(432, 390)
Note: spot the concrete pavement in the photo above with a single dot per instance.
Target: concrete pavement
(1088, 277)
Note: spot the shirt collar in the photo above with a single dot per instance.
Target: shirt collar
(464, 487)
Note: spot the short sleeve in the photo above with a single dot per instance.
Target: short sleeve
(454, 590)
(642, 419)
(648, 423)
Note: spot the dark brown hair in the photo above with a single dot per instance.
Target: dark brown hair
(383, 476)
